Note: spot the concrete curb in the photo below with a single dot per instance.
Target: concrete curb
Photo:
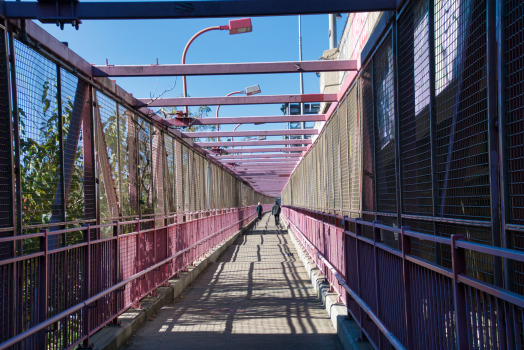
(347, 329)
(113, 337)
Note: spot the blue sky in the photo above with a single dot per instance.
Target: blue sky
(143, 41)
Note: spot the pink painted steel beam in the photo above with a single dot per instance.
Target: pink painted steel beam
(252, 143)
(154, 70)
(235, 100)
(263, 166)
(261, 161)
(245, 120)
(199, 134)
(267, 155)
(264, 150)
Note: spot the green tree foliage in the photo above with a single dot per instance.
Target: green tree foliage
(40, 162)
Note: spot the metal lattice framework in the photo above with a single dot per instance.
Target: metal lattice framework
(419, 205)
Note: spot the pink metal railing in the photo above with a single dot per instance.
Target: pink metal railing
(401, 300)
(87, 285)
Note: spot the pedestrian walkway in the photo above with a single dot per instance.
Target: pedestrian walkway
(256, 296)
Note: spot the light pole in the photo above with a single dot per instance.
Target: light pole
(250, 90)
(236, 26)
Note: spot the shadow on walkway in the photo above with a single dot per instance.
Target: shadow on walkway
(256, 296)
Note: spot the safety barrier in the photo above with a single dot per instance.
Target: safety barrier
(401, 300)
(67, 294)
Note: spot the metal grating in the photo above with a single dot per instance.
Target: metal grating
(344, 154)
(384, 97)
(170, 174)
(106, 120)
(36, 80)
(157, 143)
(514, 61)
(6, 158)
(353, 132)
(127, 165)
(145, 180)
(368, 141)
(336, 162)
(414, 96)
(460, 110)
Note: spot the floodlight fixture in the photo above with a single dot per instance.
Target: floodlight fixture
(239, 26)
(253, 90)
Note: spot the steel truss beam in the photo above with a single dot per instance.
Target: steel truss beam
(66, 11)
(252, 143)
(244, 120)
(263, 150)
(199, 134)
(263, 156)
(235, 100)
(154, 70)
(260, 161)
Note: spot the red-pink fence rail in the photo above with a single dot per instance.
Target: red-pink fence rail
(68, 294)
(402, 301)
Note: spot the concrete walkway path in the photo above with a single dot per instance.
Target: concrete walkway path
(256, 296)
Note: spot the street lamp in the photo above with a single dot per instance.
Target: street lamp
(236, 26)
(250, 90)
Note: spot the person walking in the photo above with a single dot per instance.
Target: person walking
(259, 211)
(276, 212)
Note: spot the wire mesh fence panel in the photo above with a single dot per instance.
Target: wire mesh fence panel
(157, 159)
(336, 162)
(368, 141)
(179, 177)
(75, 109)
(384, 97)
(422, 248)
(128, 170)
(514, 106)
(344, 154)
(353, 132)
(514, 130)
(40, 141)
(414, 117)
(106, 119)
(6, 154)
(460, 110)
(145, 163)
(169, 174)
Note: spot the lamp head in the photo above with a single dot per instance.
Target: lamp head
(239, 26)
(253, 90)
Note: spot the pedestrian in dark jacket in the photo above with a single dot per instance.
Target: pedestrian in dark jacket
(259, 211)
(276, 212)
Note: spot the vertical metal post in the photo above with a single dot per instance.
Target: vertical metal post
(118, 170)
(458, 259)
(300, 59)
(406, 279)
(432, 120)
(16, 136)
(116, 273)
(61, 150)
(358, 232)
(398, 151)
(376, 239)
(95, 115)
(493, 135)
(502, 121)
(10, 163)
(17, 246)
(42, 287)
(87, 286)
(360, 116)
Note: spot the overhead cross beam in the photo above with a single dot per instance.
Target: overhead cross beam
(235, 100)
(260, 161)
(244, 120)
(275, 156)
(154, 70)
(263, 150)
(199, 134)
(252, 143)
(53, 11)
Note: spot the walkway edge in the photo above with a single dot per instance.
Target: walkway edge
(114, 337)
(347, 330)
